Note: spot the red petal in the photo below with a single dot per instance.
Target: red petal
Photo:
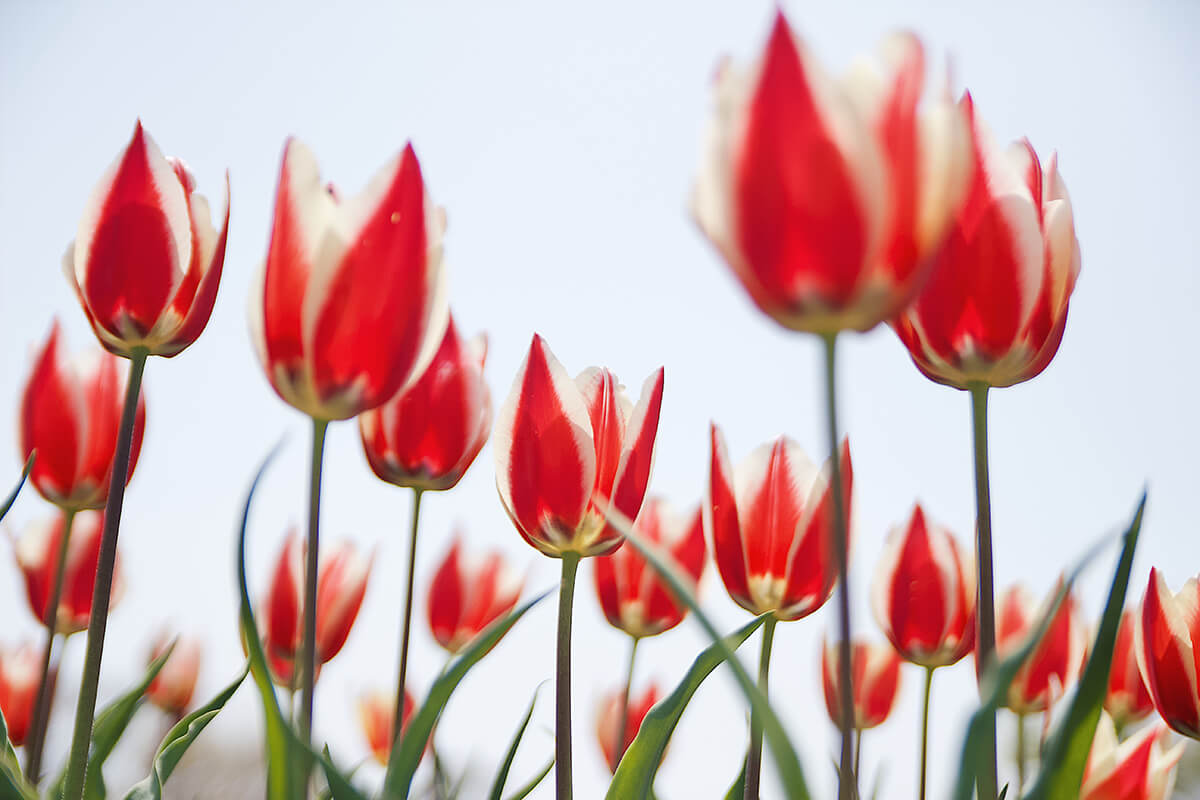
(446, 599)
(637, 452)
(49, 425)
(284, 597)
(723, 519)
(341, 585)
(199, 306)
(606, 585)
(1168, 671)
(898, 130)
(917, 612)
(602, 397)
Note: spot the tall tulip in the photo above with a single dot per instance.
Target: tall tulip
(1127, 699)
(18, 689)
(1165, 640)
(566, 452)
(1139, 768)
(349, 310)
(172, 689)
(375, 718)
(468, 594)
(145, 264)
(619, 719)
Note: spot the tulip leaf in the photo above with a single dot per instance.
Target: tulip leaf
(407, 750)
(13, 785)
(786, 759)
(1066, 751)
(635, 774)
(178, 740)
(497, 792)
(738, 790)
(12, 496)
(534, 782)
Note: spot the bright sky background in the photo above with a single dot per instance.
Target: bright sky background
(562, 140)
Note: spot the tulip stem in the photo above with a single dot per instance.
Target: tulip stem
(85, 710)
(45, 694)
(925, 732)
(619, 750)
(562, 729)
(754, 756)
(857, 750)
(406, 629)
(1020, 754)
(309, 665)
(847, 776)
(987, 783)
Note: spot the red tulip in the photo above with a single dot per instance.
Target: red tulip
(1128, 699)
(376, 714)
(147, 260)
(608, 722)
(37, 554)
(70, 413)
(566, 450)
(924, 593)
(466, 596)
(634, 599)
(341, 584)
(1057, 660)
(995, 306)
(20, 674)
(875, 676)
(1165, 640)
(828, 198)
(429, 434)
(1139, 768)
(171, 690)
(771, 524)
(350, 307)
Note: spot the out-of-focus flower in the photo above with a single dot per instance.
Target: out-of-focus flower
(70, 412)
(146, 261)
(341, 584)
(829, 198)
(771, 524)
(567, 450)
(634, 599)
(875, 676)
(429, 434)
(995, 305)
(377, 715)
(37, 553)
(171, 690)
(1057, 660)
(1127, 699)
(924, 593)
(20, 674)
(468, 595)
(608, 721)
(1139, 768)
(1166, 636)
(351, 305)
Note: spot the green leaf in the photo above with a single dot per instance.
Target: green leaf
(178, 740)
(497, 792)
(12, 496)
(1066, 752)
(13, 785)
(786, 759)
(407, 750)
(738, 790)
(635, 774)
(534, 782)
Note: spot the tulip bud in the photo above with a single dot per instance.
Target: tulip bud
(1139, 768)
(20, 674)
(171, 690)
(1165, 642)
(1127, 699)
(466, 596)
(1057, 660)
(376, 714)
(608, 722)
(875, 676)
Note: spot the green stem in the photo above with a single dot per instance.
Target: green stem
(562, 729)
(848, 780)
(620, 743)
(987, 783)
(308, 666)
(857, 753)
(925, 732)
(754, 757)
(402, 678)
(1020, 754)
(85, 710)
(45, 692)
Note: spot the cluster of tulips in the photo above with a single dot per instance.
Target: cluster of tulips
(839, 204)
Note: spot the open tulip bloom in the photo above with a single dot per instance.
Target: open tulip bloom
(1139, 768)
(467, 594)
(1167, 639)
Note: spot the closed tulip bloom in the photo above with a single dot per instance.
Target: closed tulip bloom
(430, 433)
(633, 597)
(172, 689)
(70, 412)
(1165, 640)
(350, 307)
(829, 198)
(1139, 768)
(37, 550)
(146, 261)
(467, 595)
(875, 677)
(608, 722)
(1057, 660)
(1128, 699)
(20, 673)
(771, 524)
(995, 305)
(375, 715)
(924, 593)
(567, 450)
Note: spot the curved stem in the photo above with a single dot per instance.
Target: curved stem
(85, 710)
(987, 783)
(619, 749)
(925, 732)
(754, 757)
(848, 779)
(45, 692)
(308, 666)
(406, 629)
(562, 681)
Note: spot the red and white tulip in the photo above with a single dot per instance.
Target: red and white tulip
(377, 717)
(1058, 659)
(608, 722)
(173, 687)
(1166, 638)
(874, 675)
(1139, 768)
(468, 594)
(20, 674)
(1127, 699)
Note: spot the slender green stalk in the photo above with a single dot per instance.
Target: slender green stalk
(308, 667)
(987, 782)
(406, 629)
(925, 732)
(562, 682)
(857, 753)
(85, 710)
(619, 748)
(847, 776)
(45, 693)
(754, 756)
(1020, 754)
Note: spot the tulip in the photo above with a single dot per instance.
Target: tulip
(612, 713)
(375, 716)
(466, 596)
(876, 680)
(1057, 660)
(35, 551)
(18, 688)
(70, 412)
(1127, 700)
(1165, 642)
(171, 690)
(1139, 768)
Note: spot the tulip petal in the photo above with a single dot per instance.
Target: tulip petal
(1166, 653)
(341, 585)
(602, 395)
(721, 519)
(637, 452)
(53, 419)
(209, 263)
(446, 598)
